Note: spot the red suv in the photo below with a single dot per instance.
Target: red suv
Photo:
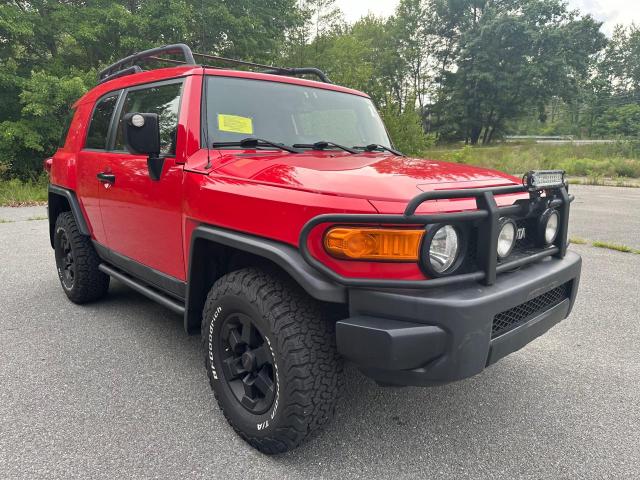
(273, 213)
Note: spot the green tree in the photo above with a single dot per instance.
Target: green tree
(513, 57)
(405, 129)
(50, 52)
(458, 69)
(620, 121)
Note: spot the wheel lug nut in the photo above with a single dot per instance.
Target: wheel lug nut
(248, 360)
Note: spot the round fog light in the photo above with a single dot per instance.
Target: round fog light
(551, 223)
(444, 249)
(506, 238)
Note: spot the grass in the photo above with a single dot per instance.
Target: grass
(618, 161)
(2, 220)
(605, 245)
(38, 217)
(606, 182)
(578, 241)
(17, 193)
(615, 246)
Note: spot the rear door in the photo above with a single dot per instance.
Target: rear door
(92, 159)
(142, 217)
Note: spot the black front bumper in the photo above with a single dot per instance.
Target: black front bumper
(445, 334)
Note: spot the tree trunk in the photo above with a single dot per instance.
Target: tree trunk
(490, 139)
(476, 130)
(486, 135)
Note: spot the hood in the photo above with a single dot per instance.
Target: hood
(374, 176)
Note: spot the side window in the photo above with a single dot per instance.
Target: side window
(65, 128)
(99, 127)
(163, 100)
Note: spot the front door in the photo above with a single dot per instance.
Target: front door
(143, 218)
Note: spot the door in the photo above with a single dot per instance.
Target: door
(143, 218)
(91, 161)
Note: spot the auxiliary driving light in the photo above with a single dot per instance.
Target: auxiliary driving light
(543, 179)
(507, 237)
(548, 226)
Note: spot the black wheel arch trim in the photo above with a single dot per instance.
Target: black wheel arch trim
(285, 256)
(74, 206)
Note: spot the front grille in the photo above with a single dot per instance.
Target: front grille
(528, 242)
(505, 321)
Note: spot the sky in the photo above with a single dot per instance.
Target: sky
(611, 12)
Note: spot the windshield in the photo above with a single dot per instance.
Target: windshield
(238, 108)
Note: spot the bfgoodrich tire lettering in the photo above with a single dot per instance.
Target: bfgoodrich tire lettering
(77, 262)
(306, 370)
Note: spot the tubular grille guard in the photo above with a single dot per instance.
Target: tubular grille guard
(487, 215)
(509, 319)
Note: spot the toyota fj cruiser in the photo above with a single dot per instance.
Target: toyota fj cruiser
(273, 213)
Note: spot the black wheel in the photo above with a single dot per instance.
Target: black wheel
(77, 262)
(271, 358)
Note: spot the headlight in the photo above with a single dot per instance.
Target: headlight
(444, 249)
(549, 225)
(506, 237)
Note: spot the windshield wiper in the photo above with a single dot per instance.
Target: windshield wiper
(322, 145)
(251, 142)
(374, 146)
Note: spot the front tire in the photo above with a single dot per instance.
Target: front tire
(271, 359)
(77, 262)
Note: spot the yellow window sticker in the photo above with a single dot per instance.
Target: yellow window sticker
(235, 124)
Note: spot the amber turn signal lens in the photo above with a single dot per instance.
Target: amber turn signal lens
(373, 244)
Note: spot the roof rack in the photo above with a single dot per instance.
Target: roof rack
(128, 65)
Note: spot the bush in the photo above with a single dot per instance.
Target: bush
(620, 159)
(614, 167)
(405, 129)
(16, 192)
(620, 121)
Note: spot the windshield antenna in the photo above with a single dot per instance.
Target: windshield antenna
(205, 121)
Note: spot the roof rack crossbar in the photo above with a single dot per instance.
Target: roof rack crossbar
(178, 48)
(168, 60)
(231, 60)
(270, 68)
(293, 72)
(127, 65)
(121, 73)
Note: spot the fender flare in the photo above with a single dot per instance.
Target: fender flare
(74, 207)
(285, 256)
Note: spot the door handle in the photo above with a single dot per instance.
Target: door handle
(106, 177)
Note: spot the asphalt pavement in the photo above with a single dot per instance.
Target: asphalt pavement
(116, 389)
(606, 214)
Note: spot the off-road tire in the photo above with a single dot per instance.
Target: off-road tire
(88, 284)
(308, 369)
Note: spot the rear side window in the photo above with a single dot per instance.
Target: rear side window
(99, 127)
(65, 128)
(163, 100)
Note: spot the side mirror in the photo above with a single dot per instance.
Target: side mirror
(141, 133)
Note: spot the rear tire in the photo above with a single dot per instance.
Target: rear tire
(271, 358)
(77, 262)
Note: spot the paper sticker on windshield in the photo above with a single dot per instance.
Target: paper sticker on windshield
(235, 124)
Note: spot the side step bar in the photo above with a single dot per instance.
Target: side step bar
(143, 289)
